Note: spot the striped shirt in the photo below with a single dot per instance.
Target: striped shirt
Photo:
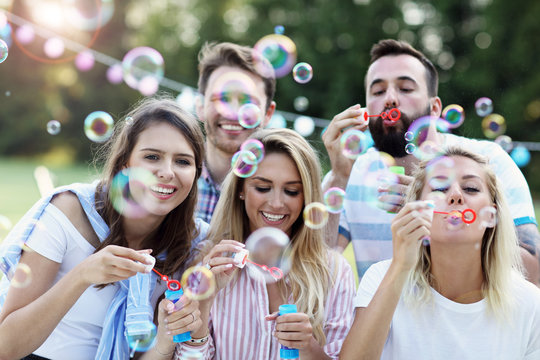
(368, 227)
(238, 329)
(208, 197)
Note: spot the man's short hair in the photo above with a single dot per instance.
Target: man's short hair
(391, 47)
(214, 55)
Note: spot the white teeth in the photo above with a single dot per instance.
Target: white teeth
(161, 190)
(231, 127)
(273, 217)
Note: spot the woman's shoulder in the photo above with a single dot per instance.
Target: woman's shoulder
(68, 203)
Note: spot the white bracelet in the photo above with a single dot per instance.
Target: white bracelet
(201, 340)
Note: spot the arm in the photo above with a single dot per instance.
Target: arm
(49, 304)
(341, 165)
(371, 325)
(529, 241)
(47, 301)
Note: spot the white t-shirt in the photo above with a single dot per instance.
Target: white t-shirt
(449, 330)
(79, 331)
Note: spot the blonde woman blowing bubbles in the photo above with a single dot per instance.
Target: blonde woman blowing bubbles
(460, 295)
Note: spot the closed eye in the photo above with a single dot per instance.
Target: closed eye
(292, 192)
(262, 189)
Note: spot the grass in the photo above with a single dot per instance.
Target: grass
(19, 190)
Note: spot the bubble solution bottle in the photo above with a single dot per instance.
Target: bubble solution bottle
(285, 352)
(174, 296)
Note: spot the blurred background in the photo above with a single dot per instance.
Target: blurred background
(63, 58)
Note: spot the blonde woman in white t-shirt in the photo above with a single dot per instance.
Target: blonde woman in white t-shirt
(454, 287)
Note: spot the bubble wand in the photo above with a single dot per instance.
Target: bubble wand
(241, 258)
(392, 115)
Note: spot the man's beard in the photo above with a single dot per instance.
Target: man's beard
(393, 142)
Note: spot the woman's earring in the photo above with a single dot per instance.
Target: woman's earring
(241, 196)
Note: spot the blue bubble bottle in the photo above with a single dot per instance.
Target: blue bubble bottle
(174, 296)
(285, 352)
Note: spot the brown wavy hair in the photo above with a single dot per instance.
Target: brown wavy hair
(178, 229)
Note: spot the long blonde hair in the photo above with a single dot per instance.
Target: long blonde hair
(501, 262)
(309, 276)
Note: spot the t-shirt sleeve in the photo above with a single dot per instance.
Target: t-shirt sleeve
(49, 237)
(370, 283)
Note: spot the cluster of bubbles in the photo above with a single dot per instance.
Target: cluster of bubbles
(244, 162)
(418, 141)
(269, 250)
(98, 126)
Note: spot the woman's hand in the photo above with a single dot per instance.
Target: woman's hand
(114, 263)
(221, 265)
(182, 316)
(410, 227)
(292, 330)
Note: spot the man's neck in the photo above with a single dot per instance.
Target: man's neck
(218, 163)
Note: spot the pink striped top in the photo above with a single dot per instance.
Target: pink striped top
(239, 331)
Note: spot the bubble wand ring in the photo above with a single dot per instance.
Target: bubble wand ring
(173, 285)
(462, 215)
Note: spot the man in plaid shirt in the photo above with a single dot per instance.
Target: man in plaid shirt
(229, 77)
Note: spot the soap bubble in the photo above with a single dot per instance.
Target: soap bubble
(334, 199)
(54, 127)
(142, 337)
(353, 143)
(493, 125)
(483, 106)
(454, 115)
(98, 126)
(315, 215)
(302, 73)
(277, 50)
(269, 253)
(505, 142)
(249, 116)
(130, 192)
(198, 283)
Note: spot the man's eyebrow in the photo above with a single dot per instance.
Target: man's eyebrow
(400, 78)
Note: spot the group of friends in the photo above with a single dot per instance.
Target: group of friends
(426, 291)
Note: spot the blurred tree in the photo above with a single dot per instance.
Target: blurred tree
(481, 47)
